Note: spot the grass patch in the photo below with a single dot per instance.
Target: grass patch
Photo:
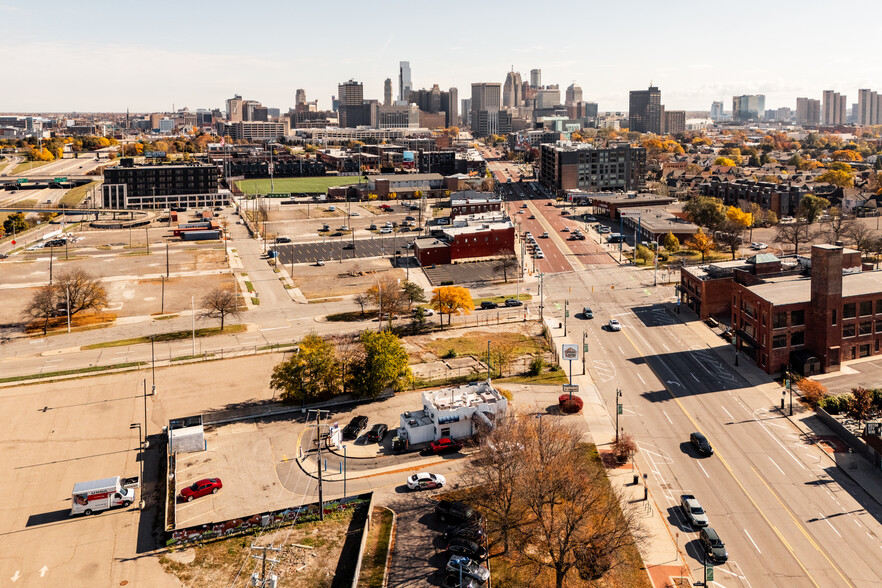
(26, 167)
(373, 564)
(163, 337)
(317, 184)
(29, 203)
(165, 317)
(76, 195)
(420, 383)
(353, 316)
(188, 357)
(500, 300)
(255, 301)
(249, 285)
(475, 343)
(546, 377)
(87, 370)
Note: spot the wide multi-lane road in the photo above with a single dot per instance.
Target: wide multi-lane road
(787, 516)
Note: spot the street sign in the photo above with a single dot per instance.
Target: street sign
(570, 388)
(585, 348)
(570, 351)
(618, 409)
(708, 574)
(59, 180)
(567, 313)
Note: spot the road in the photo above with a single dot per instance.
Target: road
(785, 517)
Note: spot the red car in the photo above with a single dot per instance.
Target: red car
(201, 488)
(444, 445)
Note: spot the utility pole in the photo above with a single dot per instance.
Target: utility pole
(584, 350)
(541, 299)
(162, 303)
(488, 359)
(567, 314)
(261, 580)
(318, 438)
(166, 258)
(51, 249)
(147, 239)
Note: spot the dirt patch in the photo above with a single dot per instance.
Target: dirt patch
(308, 556)
(524, 337)
(342, 279)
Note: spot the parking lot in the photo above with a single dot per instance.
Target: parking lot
(342, 247)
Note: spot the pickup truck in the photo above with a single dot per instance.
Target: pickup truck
(693, 511)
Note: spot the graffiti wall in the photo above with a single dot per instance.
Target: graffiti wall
(276, 518)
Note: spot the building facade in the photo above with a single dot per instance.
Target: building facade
(160, 186)
(580, 166)
(833, 108)
(645, 111)
(675, 121)
(869, 108)
(748, 107)
(808, 112)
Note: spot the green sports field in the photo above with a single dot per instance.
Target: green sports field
(319, 184)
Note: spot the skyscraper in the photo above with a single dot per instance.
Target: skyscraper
(299, 97)
(511, 90)
(645, 111)
(535, 77)
(574, 94)
(833, 108)
(808, 112)
(748, 107)
(716, 112)
(351, 104)
(485, 108)
(404, 83)
(869, 108)
(387, 92)
(234, 109)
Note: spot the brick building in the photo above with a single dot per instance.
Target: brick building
(471, 202)
(782, 199)
(581, 166)
(812, 315)
(470, 237)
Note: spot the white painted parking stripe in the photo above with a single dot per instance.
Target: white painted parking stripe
(752, 541)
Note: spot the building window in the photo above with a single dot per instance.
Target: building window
(748, 329)
(847, 330)
(866, 328)
(866, 308)
(779, 341)
(797, 318)
(879, 326)
(748, 309)
(849, 310)
(834, 317)
(879, 306)
(797, 338)
(779, 320)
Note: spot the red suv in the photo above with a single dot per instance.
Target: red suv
(444, 445)
(201, 488)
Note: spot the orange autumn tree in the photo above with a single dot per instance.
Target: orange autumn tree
(702, 243)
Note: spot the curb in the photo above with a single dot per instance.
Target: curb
(392, 535)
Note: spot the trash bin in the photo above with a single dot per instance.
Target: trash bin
(636, 479)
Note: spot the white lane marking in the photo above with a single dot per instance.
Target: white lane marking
(667, 417)
(641, 379)
(727, 413)
(693, 375)
(43, 570)
(275, 328)
(620, 349)
(831, 526)
(666, 348)
(703, 470)
(776, 465)
(752, 541)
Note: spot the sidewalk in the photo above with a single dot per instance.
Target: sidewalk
(660, 551)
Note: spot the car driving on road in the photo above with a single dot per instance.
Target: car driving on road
(614, 325)
(425, 481)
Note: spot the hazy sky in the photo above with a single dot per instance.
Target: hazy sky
(96, 55)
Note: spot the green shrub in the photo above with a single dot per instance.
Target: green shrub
(536, 366)
(836, 404)
(554, 368)
(451, 353)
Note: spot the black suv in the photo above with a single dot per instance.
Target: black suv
(487, 305)
(701, 444)
(355, 427)
(513, 302)
(713, 546)
(459, 512)
(471, 531)
(377, 432)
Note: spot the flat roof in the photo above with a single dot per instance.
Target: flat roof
(615, 198)
(797, 289)
(407, 177)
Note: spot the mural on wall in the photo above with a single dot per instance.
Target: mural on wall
(241, 526)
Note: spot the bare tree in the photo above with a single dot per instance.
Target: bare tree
(861, 236)
(79, 290)
(220, 303)
(388, 297)
(729, 236)
(349, 351)
(362, 299)
(508, 262)
(793, 234)
(838, 226)
(504, 353)
(43, 306)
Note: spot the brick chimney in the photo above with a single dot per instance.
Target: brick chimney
(824, 333)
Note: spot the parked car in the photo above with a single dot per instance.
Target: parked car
(372, 228)
(377, 433)
(409, 218)
(467, 548)
(471, 531)
(453, 510)
(692, 510)
(531, 217)
(386, 230)
(426, 311)
(758, 246)
(786, 220)
(513, 302)
(487, 305)
(349, 246)
(355, 427)
(469, 568)
(614, 325)
(201, 488)
(283, 239)
(320, 262)
(589, 218)
(587, 312)
(452, 581)
(355, 214)
(445, 445)
(701, 444)
(425, 481)
(713, 546)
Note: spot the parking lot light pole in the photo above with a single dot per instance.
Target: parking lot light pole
(344, 471)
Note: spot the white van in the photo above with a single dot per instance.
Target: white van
(98, 495)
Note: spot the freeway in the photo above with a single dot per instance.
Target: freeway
(786, 516)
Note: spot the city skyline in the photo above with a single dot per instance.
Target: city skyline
(200, 64)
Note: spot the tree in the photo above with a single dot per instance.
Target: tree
(387, 296)
(739, 217)
(312, 373)
(219, 303)
(836, 177)
(384, 365)
(861, 405)
(701, 243)
(792, 234)
(643, 254)
(862, 236)
(811, 207)
(508, 262)
(729, 236)
(79, 290)
(847, 155)
(724, 161)
(413, 293)
(43, 306)
(624, 447)
(15, 223)
(452, 299)
(705, 211)
(671, 243)
(418, 322)
(839, 225)
(362, 299)
(812, 391)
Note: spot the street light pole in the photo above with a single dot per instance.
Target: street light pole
(618, 405)
(566, 314)
(488, 359)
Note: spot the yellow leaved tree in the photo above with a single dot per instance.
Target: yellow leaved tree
(452, 299)
(702, 243)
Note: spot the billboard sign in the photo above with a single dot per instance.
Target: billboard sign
(570, 352)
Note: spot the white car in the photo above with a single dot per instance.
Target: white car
(355, 214)
(786, 220)
(425, 481)
(385, 230)
(614, 325)
(758, 246)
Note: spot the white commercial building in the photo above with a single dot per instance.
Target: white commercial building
(453, 412)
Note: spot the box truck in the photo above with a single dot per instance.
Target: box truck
(98, 495)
